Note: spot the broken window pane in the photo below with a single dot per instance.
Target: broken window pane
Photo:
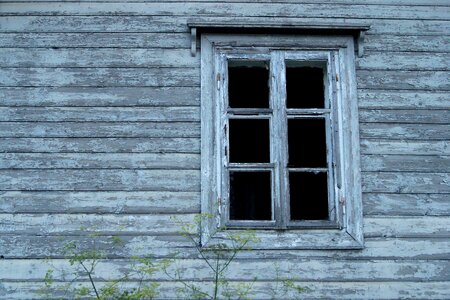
(248, 85)
(249, 140)
(304, 87)
(307, 143)
(250, 196)
(309, 195)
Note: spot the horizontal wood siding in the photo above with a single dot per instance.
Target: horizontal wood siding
(100, 136)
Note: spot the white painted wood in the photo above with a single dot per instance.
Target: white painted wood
(397, 131)
(392, 99)
(315, 289)
(101, 145)
(385, 204)
(100, 114)
(241, 270)
(229, 9)
(103, 77)
(406, 182)
(170, 161)
(100, 129)
(100, 180)
(132, 202)
(404, 42)
(170, 24)
(405, 147)
(405, 163)
(97, 96)
(412, 116)
(374, 60)
(417, 227)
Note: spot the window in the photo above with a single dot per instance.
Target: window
(280, 146)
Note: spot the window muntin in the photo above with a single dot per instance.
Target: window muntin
(301, 130)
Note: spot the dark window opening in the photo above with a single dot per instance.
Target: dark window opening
(250, 196)
(249, 140)
(248, 85)
(304, 87)
(307, 143)
(309, 196)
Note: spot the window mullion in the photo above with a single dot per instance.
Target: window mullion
(279, 137)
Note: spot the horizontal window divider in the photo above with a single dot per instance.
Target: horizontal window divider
(318, 111)
(312, 170)
(250, 166)
(245, 224)
(320, 224)
(307, 116)
(249, 111)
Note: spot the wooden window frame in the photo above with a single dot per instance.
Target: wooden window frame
(344, 229)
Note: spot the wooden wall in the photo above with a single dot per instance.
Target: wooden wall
(100, 133)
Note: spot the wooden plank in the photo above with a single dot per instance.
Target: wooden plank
(99, 77)
(100, 114)
(405, 131)
(263, 290)
(100, 145)
(402, 99)
(406, 204)
(100, 129)
(100, 180)
(99, 161)
(18, 246)
(403, 80)
(98, 57)
(231, 9)
(405, 182)
(100, 40)
(413, 116)
(405, 147)
(132, 202)
(405, 163)
(374, 60)
(407, 227)
(92, 224)
(419, 43)
(97, 96)
(241, 270)
(170, 24)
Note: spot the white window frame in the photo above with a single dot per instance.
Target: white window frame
(344, 230)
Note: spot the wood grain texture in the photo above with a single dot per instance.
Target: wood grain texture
(405, 147)
(316, 289)
(230, 9)
(402, 99)
(170, 24)
(404, 182)
(412, 116)
(404, 132)
(405, 163)
(386, 204)
(101, 145)
(100, 180)
(98, 96)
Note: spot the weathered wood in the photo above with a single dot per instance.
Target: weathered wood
(196, 269)
(407, 226)
(382, 204)
(403, 99)
(404, 80)
(100, 180)
(405, 131)
(374, 60)
(99, 57)
(171, 24)
(413, 116)
(85, 224)
(101, 145)
(97, 96)
(406, 43)
(230, 9)
(99, 202)
(264, 290)
(99, 77)
(405, 163)
(100, 114)
(403, 182)
(18, 246)
(172, 161)
(100, 40)
(405, 147)
(100, 129)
